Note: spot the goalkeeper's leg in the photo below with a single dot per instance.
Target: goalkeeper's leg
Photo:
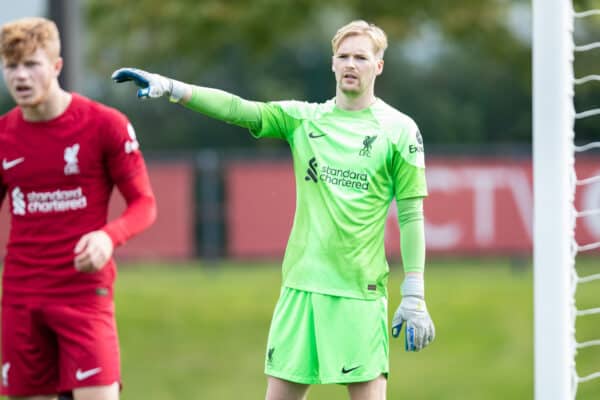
(372, 390)
(279, 389)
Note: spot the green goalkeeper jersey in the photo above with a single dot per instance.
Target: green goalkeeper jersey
(348, 166)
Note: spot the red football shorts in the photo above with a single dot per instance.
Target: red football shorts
(50, 349)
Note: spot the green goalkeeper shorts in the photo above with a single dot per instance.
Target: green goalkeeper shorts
(316, 338)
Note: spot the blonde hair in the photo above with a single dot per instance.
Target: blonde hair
(21, 38)
(360, 27)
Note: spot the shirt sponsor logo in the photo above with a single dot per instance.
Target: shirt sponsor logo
(311, 172)
(344, 177)
(71, 167)
(81, 375)
(47, 202)
(6, 164)
(18, 201)
(418, 148)
(5, 368)
(415, 149)
(336, 176)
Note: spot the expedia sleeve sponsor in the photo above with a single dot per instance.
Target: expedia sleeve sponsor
(417, 147)
(55, 201)
(414, 152)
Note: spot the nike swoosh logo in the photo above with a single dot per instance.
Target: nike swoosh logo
(9, 164)
(313, 136)
(81, 375)
(345, 371)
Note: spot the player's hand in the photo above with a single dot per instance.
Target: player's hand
(93, 251)
(151, 85)
(412, 313)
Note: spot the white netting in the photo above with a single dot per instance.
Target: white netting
(576, 248)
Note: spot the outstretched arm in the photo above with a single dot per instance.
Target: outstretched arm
(412, 311)
(214, 103)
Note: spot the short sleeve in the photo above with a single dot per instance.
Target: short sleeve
(123, 157)
(409, 164)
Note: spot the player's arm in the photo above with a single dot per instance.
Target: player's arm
(412, 311)
(95, 249)
(2, 194)
(214, 103)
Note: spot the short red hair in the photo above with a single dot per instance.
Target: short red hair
(21, 38)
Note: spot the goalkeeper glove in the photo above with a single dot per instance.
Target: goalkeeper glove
(412, 311)
(151, 85)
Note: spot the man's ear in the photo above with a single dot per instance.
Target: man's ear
(58, 66)
(379, 67)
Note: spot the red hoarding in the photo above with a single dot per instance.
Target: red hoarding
(475, 206)
(171, 236)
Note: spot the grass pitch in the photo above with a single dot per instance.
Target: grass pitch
(199, 331)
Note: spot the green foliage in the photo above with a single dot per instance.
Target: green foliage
(200, 332)
(459, 68)
(151, 31)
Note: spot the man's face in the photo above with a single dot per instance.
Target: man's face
(29, 79)
(356, 65)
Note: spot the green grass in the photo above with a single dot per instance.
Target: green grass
(199, 332)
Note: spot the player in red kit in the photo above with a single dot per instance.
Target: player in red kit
(62, 154)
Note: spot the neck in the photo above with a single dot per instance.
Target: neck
(55, 103)
(354, 103)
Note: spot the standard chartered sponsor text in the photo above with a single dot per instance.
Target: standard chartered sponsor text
(344, 177)
(56, 201)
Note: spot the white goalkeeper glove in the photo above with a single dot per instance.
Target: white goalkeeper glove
(151, 85)
(412, 311)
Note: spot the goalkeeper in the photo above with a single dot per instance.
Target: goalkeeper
(352, 155)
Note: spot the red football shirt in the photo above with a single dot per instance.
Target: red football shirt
(58, 176)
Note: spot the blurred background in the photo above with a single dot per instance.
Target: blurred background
(196, 291)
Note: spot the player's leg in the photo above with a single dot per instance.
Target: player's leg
(109, 392)
(29, 355)
(279, 389)
(89, 349)
(290, 362)
(372, 390)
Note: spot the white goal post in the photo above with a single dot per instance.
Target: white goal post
(556, 277)
(553, 166)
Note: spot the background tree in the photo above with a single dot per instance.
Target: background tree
(462, 69)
